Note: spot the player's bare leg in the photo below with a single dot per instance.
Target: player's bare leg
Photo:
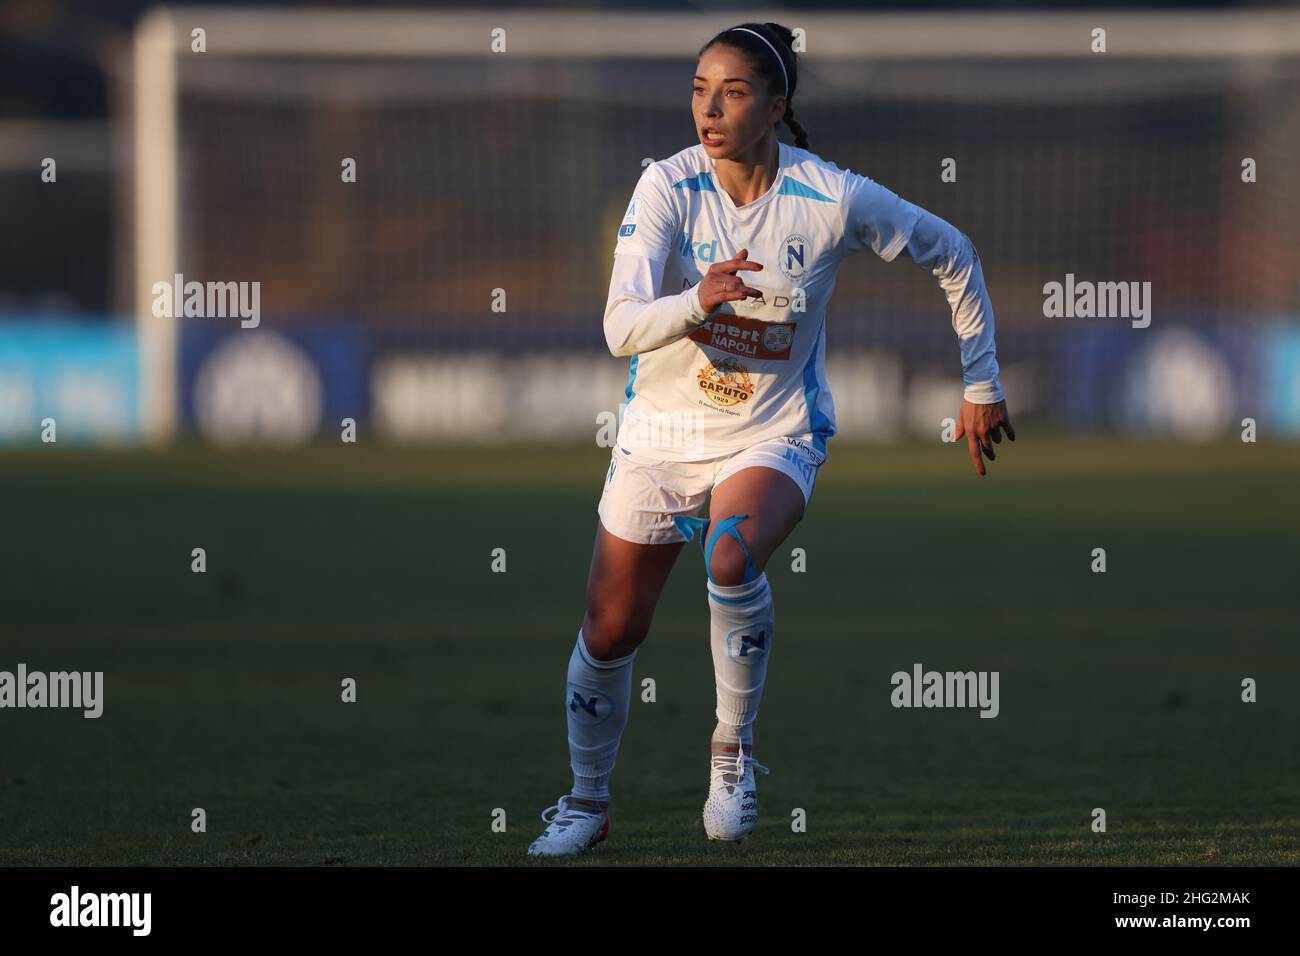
(774, 504)
(623, 589)
(741, 632)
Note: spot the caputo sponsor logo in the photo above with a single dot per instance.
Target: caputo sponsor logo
(726, 382)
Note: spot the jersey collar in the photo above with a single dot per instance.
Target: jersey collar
(782, 164)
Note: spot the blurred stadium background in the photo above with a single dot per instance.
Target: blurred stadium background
(479, 170)
(477, 429)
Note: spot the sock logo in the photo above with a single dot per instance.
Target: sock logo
(591, 709)
(745, 646)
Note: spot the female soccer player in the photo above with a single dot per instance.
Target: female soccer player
(728, 395)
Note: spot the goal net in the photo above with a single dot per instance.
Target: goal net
(429, 203)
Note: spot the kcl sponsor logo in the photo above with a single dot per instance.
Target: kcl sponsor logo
(702, 251)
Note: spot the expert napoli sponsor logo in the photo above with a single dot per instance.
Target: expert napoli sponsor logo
(747, 337)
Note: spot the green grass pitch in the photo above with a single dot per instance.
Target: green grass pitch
(222, 690)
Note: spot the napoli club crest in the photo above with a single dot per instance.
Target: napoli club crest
(795, 256)
(589, 707)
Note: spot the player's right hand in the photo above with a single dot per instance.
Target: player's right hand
(980, 423)
(721, 284)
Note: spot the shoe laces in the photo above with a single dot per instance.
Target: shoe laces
(727, 764)
(564, 814)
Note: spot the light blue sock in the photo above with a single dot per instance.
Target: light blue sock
(741, 627)
(596, 701)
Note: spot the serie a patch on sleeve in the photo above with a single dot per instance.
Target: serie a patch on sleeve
(629, 221)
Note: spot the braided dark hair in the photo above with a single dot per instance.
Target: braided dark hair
(760, 59)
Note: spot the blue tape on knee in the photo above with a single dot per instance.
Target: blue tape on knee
(688, 525)
(728, 526)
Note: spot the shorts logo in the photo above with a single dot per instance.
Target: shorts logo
(806, 468)
(809, 452)
(795, 251)
(726, 382)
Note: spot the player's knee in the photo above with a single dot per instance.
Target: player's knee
(729, 565)
(611, 633)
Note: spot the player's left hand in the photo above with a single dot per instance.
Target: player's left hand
(983, 426)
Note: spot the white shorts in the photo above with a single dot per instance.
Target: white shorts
(642, 493)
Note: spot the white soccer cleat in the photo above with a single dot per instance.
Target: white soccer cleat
(571, 830)
(731, 811)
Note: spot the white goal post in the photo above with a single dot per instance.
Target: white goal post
(164, 35)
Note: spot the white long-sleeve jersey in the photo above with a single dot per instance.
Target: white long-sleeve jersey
(701, 387)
